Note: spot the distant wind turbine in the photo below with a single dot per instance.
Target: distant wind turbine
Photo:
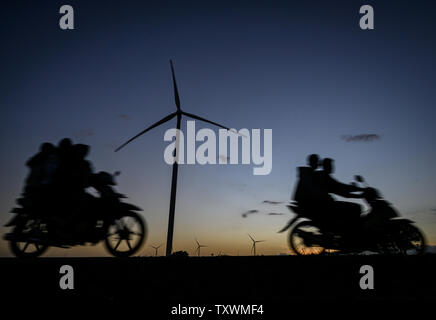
(253, 248)
(156, 248)
(199, 246)
(179, 113)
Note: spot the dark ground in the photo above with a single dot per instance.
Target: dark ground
(283, 284)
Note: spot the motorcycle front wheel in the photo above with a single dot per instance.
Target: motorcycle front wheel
(303, 239)
(411, 240)
(24, 242)
(125, 235)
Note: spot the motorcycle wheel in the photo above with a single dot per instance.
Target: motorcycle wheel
(301, 246)
(28, 248)
(125, 235)
(411, 240)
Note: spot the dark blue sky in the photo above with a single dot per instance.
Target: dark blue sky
(301, 68)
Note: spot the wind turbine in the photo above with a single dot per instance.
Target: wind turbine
(199, 246)
(253, 248)
(178, 113)
(156, 248)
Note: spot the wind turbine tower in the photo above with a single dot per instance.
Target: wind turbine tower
(253, 248)
(156, 248)
(178, 114)
(199, 246)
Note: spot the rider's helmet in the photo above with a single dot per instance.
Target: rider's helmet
(47, 148)
(313, 161)
(327, 165)
(65, 143)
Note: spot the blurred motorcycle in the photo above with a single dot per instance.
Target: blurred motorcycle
(380, 231)
(106, 218)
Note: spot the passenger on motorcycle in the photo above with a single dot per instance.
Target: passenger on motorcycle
(39, 182)
(305, 190)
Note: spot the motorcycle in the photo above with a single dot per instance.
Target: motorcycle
(106, 218)
(380, 231)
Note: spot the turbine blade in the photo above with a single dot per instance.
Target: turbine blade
(212, 122)
(251, 237)
(162, 121)
(176, 91)
(205, 120)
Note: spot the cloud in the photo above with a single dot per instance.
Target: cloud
(361, 137)
(271, 202)
(245, 214)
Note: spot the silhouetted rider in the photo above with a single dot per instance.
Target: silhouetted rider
(75, 175)
(306, 190)
(338, 212)
(42, 167)
(38, 186)
(81, 169)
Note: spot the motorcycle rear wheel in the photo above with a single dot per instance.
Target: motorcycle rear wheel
(301, 246)
(126, 235)
(26, 248)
